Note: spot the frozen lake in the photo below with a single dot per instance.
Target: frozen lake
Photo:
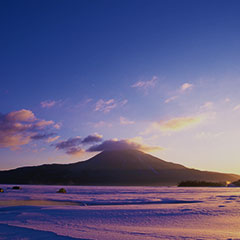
(38, 212)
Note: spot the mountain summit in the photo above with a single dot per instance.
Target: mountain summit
(122, 167)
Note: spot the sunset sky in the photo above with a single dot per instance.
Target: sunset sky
(79, 77)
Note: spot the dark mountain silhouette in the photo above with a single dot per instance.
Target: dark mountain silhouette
(124, 167)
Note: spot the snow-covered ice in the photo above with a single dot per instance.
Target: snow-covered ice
(112, 213)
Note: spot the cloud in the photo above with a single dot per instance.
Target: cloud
(48, 103)
(75, 151)
(71, 142)
(76, 146)
(101, 124)
(227, 100)
(43, 123)
(92, 139)
(186, 86)
(18, 128)
(206, 135)
(20, 116)
(125, 144)
(40, 136)
(178, 124)
(125, 121)
(146, 85)
(73, 146)
(108, 105)
(171, 99)
(52, 139)
(123, 102)
(175, 124)
(57, 125)
(207, 105)
(236, 108)
(105, 106)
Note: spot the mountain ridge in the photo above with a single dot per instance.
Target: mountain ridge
(122, 167)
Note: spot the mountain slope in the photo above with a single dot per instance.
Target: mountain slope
(125, 167)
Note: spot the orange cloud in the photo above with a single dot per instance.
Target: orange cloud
(174, 124)
(13, 141)
(43, 123)
(21, 116)
(52, 139)
(178, 124)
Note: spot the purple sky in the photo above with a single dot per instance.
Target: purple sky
(79, 77)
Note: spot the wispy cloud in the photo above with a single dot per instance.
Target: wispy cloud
(146, 85)
(207, 105)
(41, 136)
(174, 124)
(52, 139)
(207, 135)
(105, 106)
(18, 128)
(48, 137)
(108, 105)
(236, 108)
(101, 124)
(125, 121)
(178, 124)
(48, 103)
(170, 99)
(183, 88)
(186, 86)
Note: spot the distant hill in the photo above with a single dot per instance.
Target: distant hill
(124, 167)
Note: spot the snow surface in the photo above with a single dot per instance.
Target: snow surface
(113, 213)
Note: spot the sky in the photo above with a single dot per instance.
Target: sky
(80, 77)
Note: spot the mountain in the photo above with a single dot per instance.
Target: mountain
(123, 167)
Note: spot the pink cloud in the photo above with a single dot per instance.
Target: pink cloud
(186, 86)
(105, 106)
(48, 103)
(108, 105)
(171, 99)
(18, 128)
(146, 85)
